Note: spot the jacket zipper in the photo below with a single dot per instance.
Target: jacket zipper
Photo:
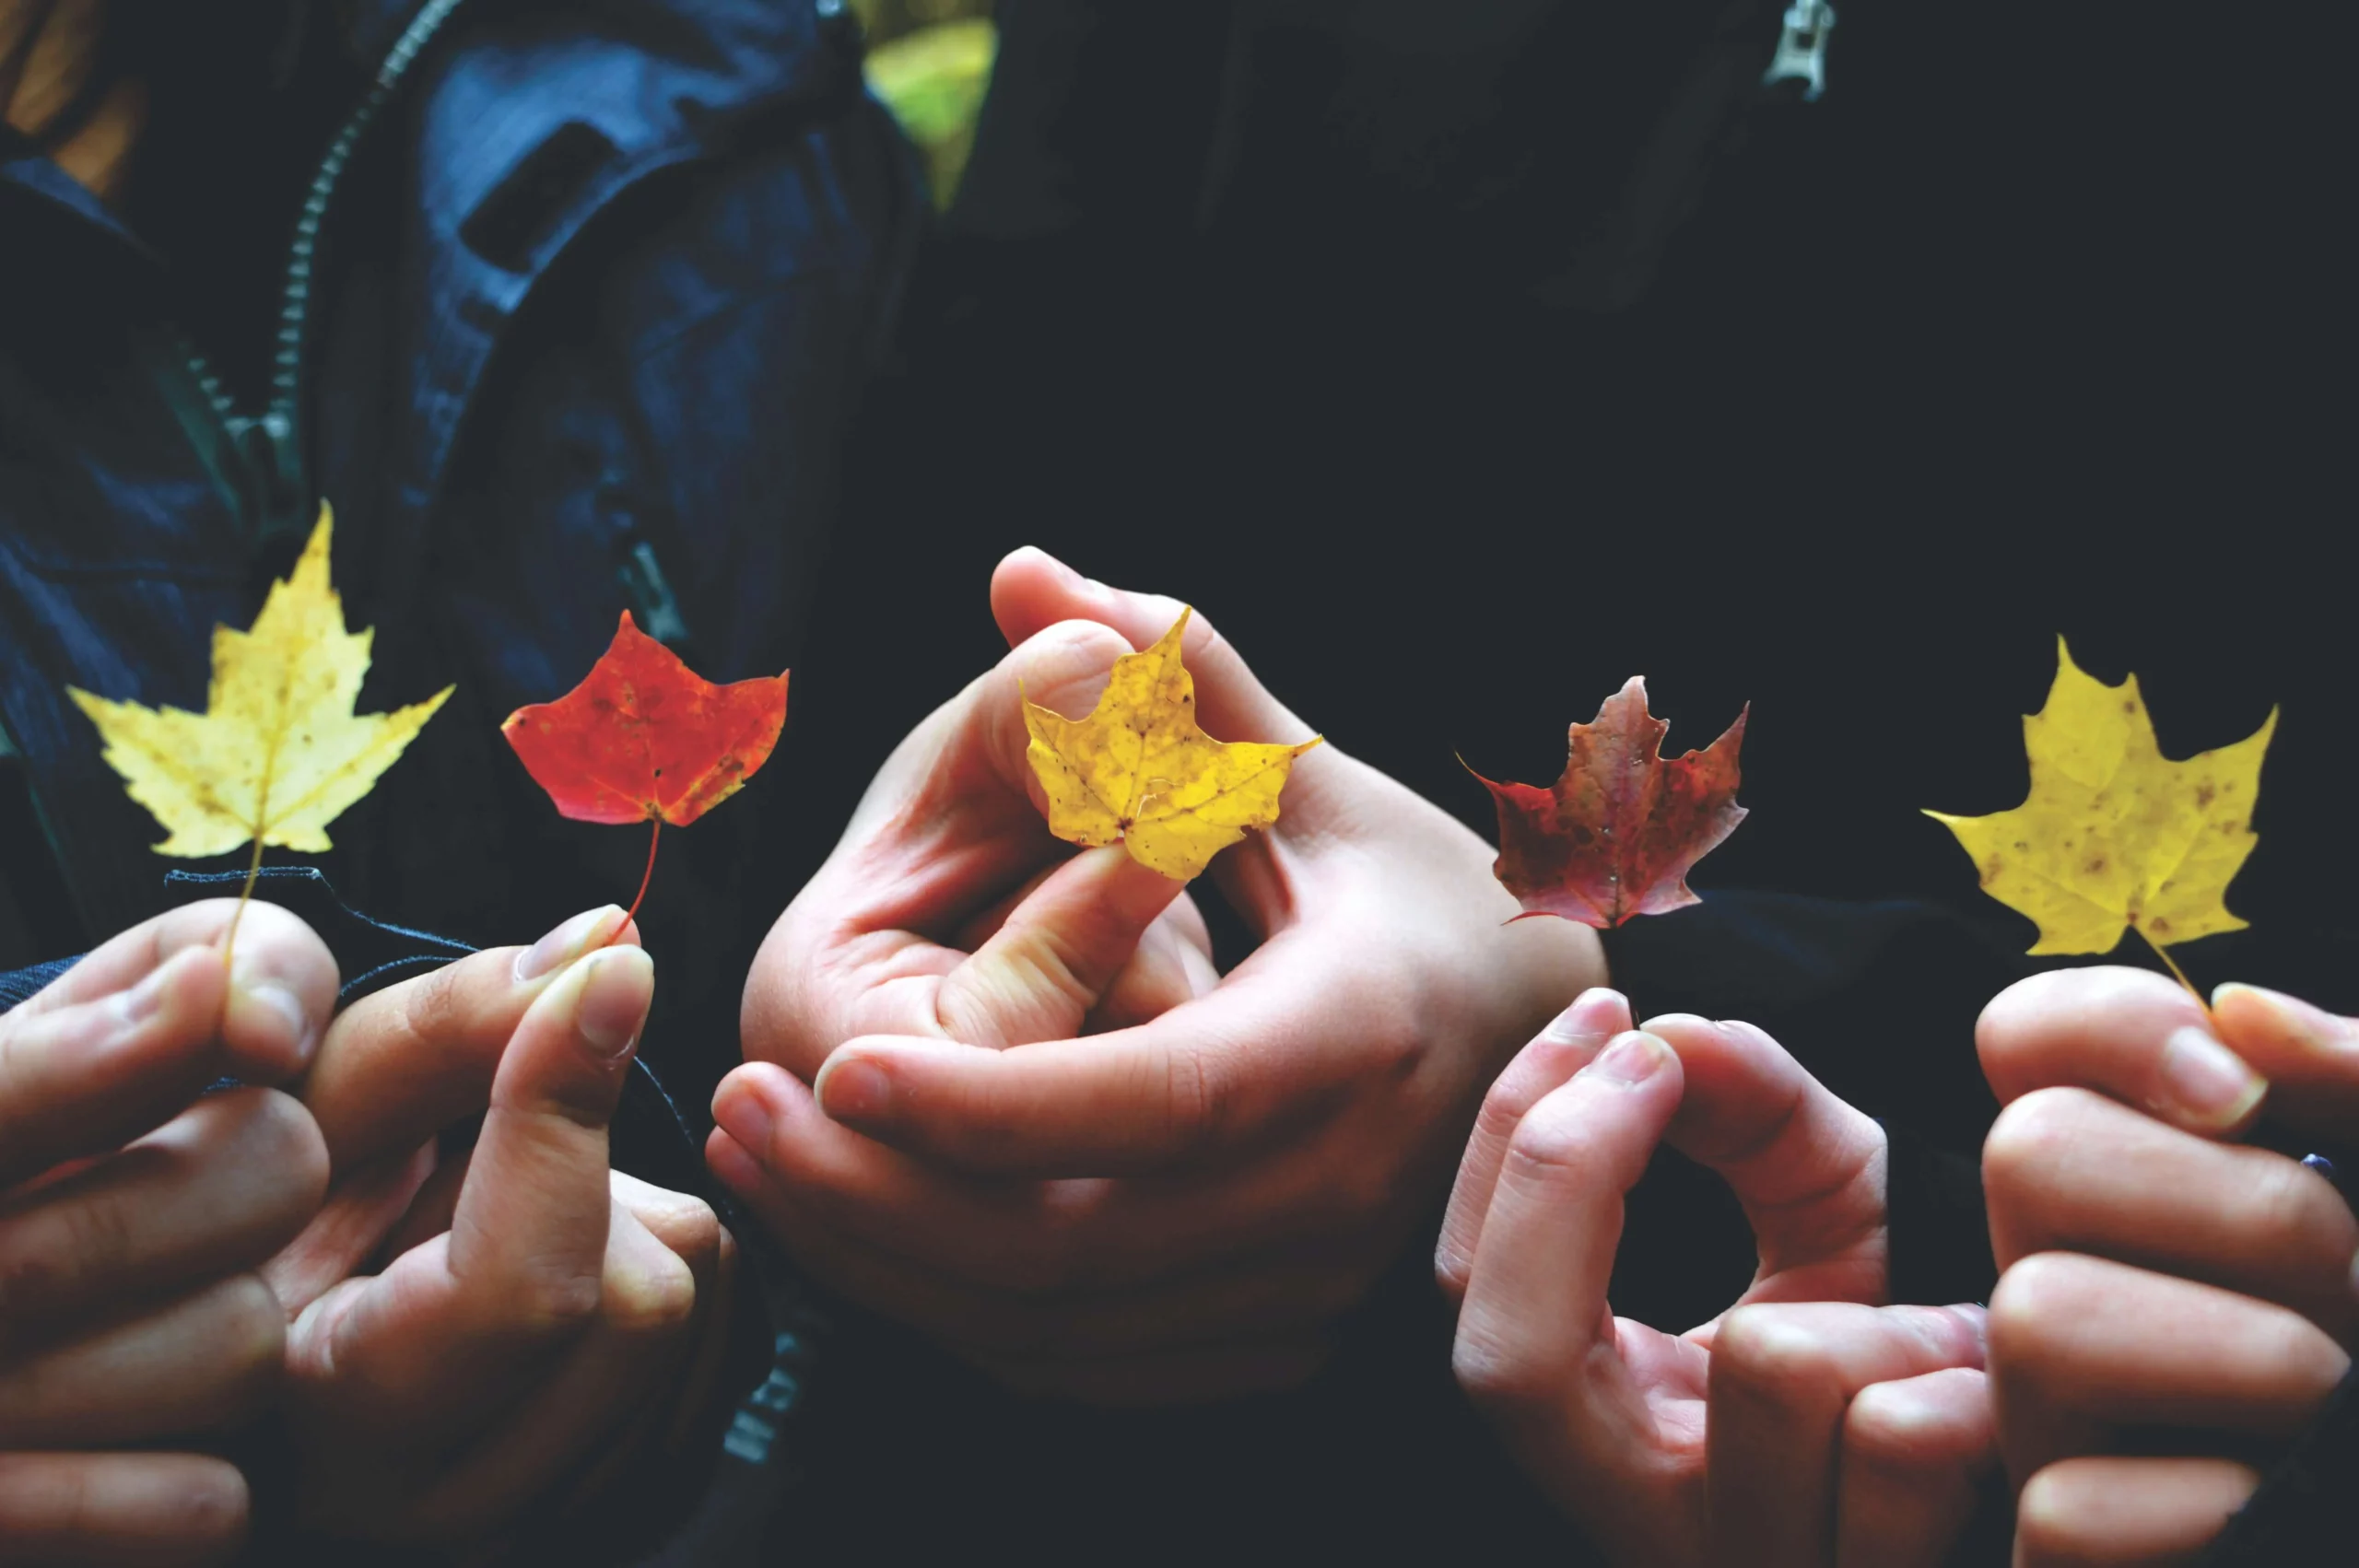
(268, 446)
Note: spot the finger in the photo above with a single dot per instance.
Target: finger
(1188, 1085)
(282, 980)
(117, 1510)
(1173, 965)
(2126, 1033)
(2309, 1055)
(2066, 1170)
(1561, 1050)
(949, 827)
(1032, 589)
(2099, 1512)
(350, 1228)
(139, 1380)
(2081, 1346)
(400, 1065)
(84, 1079)
(530, 1230)
(1807, 1167)
(1783, 1376)
(1527, 1349)
(455, 1324)
(589, 1399)
(1914, 1453)
(1056, 954)
(214, 1191)
(1036, 1239)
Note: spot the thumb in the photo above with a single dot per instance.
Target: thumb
(530, 1222)
(1032, 589)
(1036, 978)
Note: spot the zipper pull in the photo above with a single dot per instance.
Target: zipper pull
(1801, 48)
(274, 475)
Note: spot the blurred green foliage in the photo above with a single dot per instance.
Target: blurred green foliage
(930, 61)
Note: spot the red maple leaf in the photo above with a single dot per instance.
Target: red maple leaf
(644, 738)
(1616, 833)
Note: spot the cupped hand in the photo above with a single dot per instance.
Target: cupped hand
(1804, 1426)
(540, 1317)
(2163, 1286)
(1180, 1204)
(135, 1212)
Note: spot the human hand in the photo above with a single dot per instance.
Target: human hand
(134, 1211)
(2158, 1279)
(1803, 1426)
(1178, 1207)
(542, 1318)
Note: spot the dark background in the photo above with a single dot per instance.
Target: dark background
(1462, 361)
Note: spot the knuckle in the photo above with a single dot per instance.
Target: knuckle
(656, 1304)
(1196, 1097)
(2029, 1135)
(2290, 1212)
(97, 1239)
(2033, 1298)
(1547, 1151)
(1764, 1348)
(1499, 1378)
(557, 1301)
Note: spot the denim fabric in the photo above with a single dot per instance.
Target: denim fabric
(595, 295)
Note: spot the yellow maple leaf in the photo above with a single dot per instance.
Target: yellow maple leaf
(1140, 773)
(2114, 836)
(278, 751)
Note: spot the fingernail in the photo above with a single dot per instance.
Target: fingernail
(2320, 1030)
(584, 934)
(1595, 1011)
(611, 1006)
(1633, 1058)
(852, 1089)
(283, 1002)
(2209, 1081)
(741, 1114)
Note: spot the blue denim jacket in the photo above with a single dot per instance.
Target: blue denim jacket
(581, 303)
(575, 319)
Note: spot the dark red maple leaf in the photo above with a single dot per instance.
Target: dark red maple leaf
(644, 738)
(1616, 833)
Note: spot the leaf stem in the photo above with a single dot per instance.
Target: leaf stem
(245, 894)
(653, 840)
(2172, 965)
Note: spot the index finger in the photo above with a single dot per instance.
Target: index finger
(1206, 1075)
(2131, 1036)
(282, 980)
(399, 1066)
(1807, 1167)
